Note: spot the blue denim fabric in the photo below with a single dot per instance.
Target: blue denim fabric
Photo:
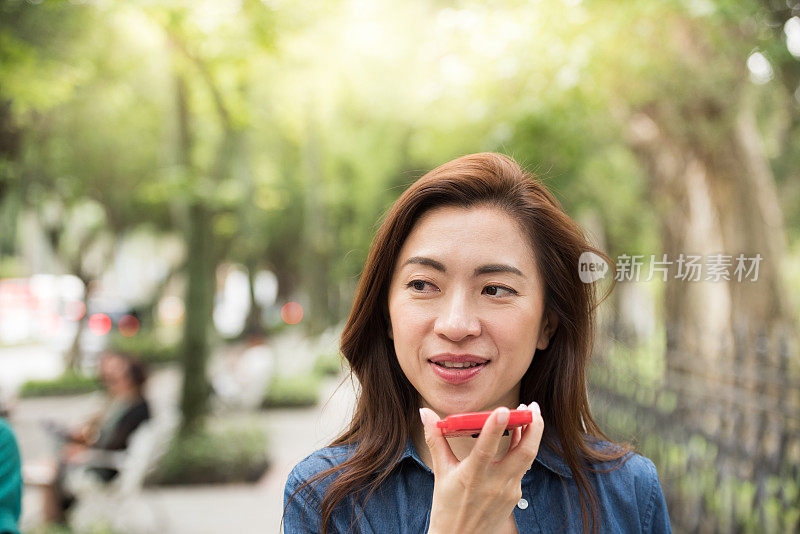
(630, 497)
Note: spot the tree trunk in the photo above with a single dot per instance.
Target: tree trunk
(199, 301)
(73, 357)
(716, 196)
(696, 313)
(752, 223)
(253, 326)
(199, 286)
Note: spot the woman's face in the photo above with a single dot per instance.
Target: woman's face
(465, 287)
(115, 372)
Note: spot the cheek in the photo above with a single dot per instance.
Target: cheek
(411, 329)
(408, 316)
(409, 335)
(516, 336)
(407, 349)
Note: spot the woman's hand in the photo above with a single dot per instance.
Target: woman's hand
(79, 436)
(478, 494)
(73, 453)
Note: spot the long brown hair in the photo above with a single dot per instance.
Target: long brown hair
(556, 379)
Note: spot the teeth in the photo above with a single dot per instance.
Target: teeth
(458, 365)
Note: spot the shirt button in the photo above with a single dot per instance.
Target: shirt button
(522, 504)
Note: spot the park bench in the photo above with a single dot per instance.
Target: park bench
(118, 503)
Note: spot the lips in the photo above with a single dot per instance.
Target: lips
(457, 375)
(457, 358)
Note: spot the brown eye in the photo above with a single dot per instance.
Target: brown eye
(418, 285)
(493, 291)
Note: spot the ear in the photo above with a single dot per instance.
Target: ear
(547, 328)
(389, 332)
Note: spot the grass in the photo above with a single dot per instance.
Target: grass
(214, 456)
(70, 383)
(293, 391)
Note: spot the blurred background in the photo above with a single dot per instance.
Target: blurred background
(196, 184)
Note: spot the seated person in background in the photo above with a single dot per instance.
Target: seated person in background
(124, 379)
(10, 481)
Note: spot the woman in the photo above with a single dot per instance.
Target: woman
(10, 480)
(124, 380)
(475, 265)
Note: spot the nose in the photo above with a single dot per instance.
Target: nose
(457, 318)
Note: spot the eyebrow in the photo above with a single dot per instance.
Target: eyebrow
(483, 269)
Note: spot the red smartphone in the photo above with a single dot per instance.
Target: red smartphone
(471, 423)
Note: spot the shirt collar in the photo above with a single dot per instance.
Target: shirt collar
(546, 457)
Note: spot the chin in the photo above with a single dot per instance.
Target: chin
(451, 406)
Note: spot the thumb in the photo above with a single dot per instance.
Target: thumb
(441, 454)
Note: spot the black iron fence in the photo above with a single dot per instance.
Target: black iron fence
(723, 431)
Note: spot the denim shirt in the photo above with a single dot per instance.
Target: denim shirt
(630, 497)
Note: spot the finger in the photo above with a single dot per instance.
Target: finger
(485, 449)
(518, 461)
(516, 434)
(441, 453)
